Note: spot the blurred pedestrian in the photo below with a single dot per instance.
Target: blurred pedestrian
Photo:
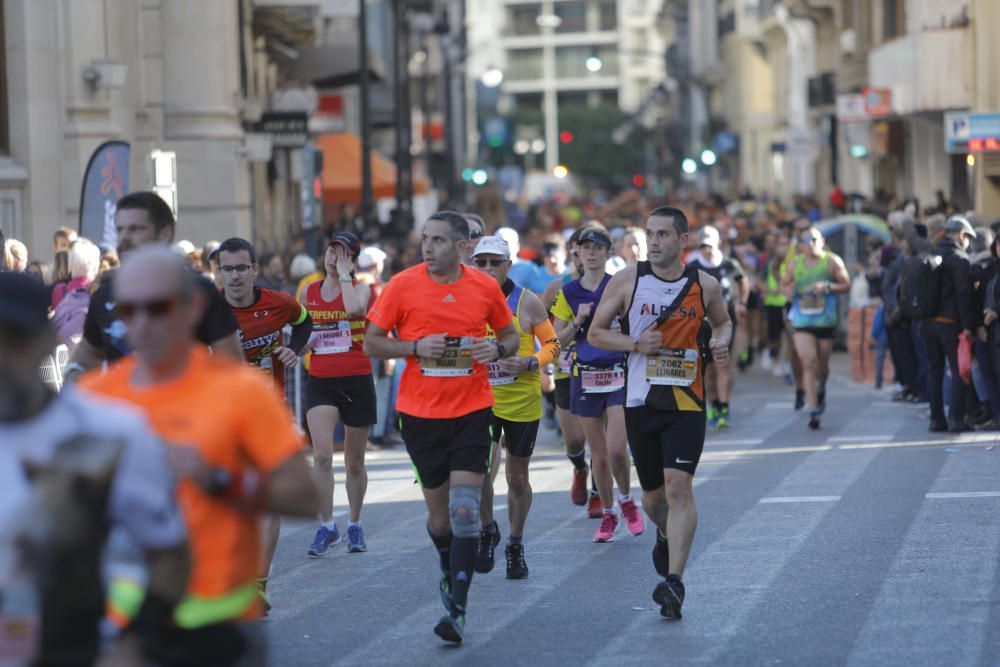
(15, 256)
(72, 468)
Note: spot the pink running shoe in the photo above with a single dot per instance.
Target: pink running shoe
(609, 526)
(633, 519)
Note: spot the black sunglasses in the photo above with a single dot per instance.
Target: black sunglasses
(475, 235)
(157, 308)
(483, 263)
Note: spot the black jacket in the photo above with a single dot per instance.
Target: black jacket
(957, 298)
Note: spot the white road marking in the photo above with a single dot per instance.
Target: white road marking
(963, 494)
(799, 499)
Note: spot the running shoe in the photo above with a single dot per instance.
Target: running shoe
(451, 628)
(634, 522)
(594, 509)
(800, 399)
(486, 553)
(669, 594)
(325, 538)
(516, 567)
(356, 539)
(722, 418)
(713, 417)
(578, 489)
(814, 419)
(262, 592)
(766, 361)
(609, 526)
(661, 555)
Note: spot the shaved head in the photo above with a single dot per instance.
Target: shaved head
(158, 265)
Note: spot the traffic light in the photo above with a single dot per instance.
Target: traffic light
(467, 174)
(689, 166)
(565, 137)
(708, 157)
(859, 150)
(479, 177)
(638, 180)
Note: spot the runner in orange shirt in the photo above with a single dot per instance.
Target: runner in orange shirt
(262, 315)
(229, 439)
(440, 310)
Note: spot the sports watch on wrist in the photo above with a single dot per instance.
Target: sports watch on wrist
(532, 364)
(345, 278)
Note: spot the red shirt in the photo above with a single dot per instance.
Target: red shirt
(338, 348)
(260, 329)
(417, 306)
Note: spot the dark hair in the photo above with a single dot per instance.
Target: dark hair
(677, 218)
(477, 218)
(266, 258)
(235, 244)
(158, 210)
(458, 228)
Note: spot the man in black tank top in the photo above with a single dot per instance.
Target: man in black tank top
(662, 304)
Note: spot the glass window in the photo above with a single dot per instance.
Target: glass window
(573, 15)
(571, 61)
(523, 20)
(609, 15)
(528, 101)
(524, 64)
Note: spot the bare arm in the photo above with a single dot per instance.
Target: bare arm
(229, 346)
(617, 294)
(841, 283)
(290, 489)
(718, 318)
(356, 298)
(380, 346)
(87, 356)
(551, 292)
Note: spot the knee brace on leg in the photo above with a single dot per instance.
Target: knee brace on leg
(463, 504)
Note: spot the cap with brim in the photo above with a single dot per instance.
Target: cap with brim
(371, 256)
(492, 245)
(594, 236)
(708, 236)
(957, 223)
(24, 302)
(349, 241)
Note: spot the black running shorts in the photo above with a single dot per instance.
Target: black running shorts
(821, 333)
(353, 395)
(775, 323)
(439, 446)
(518, 437)
(664, 439)
(563, 393)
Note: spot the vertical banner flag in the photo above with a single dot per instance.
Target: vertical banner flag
(104, 182)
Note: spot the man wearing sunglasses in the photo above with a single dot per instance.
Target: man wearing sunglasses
(812, 281)
(440, 310)
(71, 468)
(262, 315)
(517, 409)
(230, 441)
(477, 229)
(143, 218)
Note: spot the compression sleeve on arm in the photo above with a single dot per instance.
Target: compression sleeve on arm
(300, 334)
(546, 334)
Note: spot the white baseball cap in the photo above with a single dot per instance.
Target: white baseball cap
(492, 245)
(370, 256)
(708, 235)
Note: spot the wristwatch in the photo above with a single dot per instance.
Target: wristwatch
(346, 278)
(501, 351)
(532, 364)
(219, 481)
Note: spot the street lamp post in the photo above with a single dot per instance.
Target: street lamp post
(367, 204)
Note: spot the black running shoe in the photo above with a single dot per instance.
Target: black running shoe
(516, 567)
(814, 420)
(669, 594)
(451, 628)
(661, 556)
(800, 399)
(486, 553)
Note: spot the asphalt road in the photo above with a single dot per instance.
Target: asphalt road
(869, 542)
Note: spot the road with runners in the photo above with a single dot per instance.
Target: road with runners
(869, 542)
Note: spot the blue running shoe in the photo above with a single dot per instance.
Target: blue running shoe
(325, 538)
(713, 417)
(356, 540)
